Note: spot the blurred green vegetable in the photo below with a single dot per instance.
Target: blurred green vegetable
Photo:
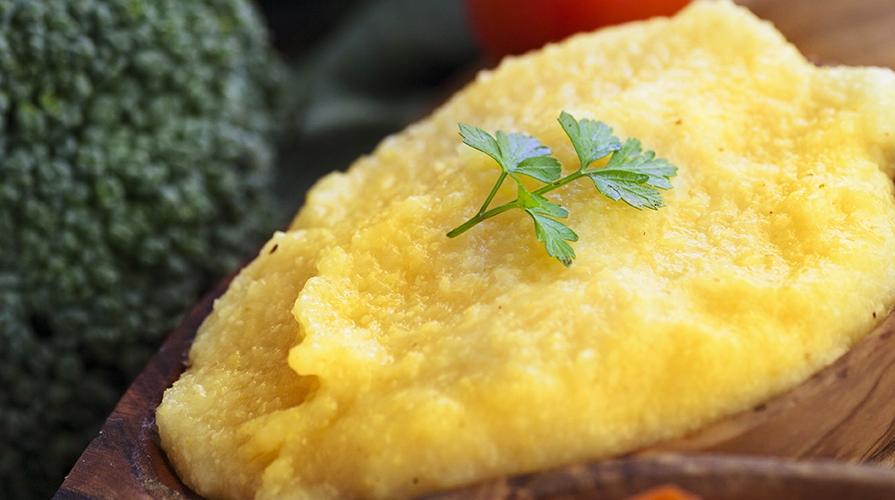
(136, 149)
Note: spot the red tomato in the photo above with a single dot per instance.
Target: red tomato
(515, 26)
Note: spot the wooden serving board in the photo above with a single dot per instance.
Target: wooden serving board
(850, 32)
(846, 412)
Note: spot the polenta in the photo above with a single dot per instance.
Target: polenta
(365, 355)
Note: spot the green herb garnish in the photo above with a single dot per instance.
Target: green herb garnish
(630, 175)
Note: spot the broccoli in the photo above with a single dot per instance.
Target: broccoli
(136, 147)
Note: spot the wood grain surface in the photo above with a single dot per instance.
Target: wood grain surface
(845, 412)
(712, 477)
(852, 32)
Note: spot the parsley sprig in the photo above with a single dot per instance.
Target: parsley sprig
(630, 175)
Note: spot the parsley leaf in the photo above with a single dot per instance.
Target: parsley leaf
(515, 153)
(634, 177)
(538, 204)
(630, 175)
(554, 235)
(592, 140)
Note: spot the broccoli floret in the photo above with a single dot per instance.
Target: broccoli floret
(136, 148)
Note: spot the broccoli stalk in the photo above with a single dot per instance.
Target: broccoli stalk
(136, 148)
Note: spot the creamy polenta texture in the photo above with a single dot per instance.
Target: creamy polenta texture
(364, 355)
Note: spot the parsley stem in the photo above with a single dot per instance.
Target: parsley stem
(561, 182)
(503, 175)
(484, 213)
(479, 217)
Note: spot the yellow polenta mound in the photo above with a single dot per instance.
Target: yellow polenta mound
(365, 355)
